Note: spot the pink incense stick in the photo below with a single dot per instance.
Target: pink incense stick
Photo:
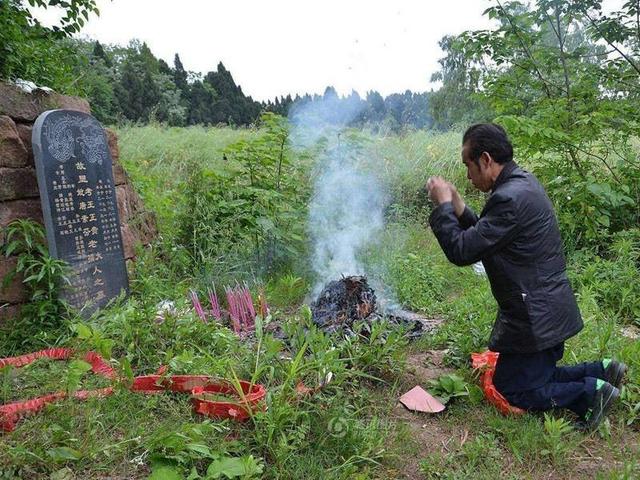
(233, 310)
(215, 305)
(197, 306)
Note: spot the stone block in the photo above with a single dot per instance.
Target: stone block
(137, 224)
(122, 199)
(15, 291)
(9, 312)
(12, 150)
(26, 106)
(147, 227)
(129, 241)
(119, 175)
(27, 208)
(112, 141)
(18, 183)
(24, 130)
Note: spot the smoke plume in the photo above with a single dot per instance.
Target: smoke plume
(346, 209)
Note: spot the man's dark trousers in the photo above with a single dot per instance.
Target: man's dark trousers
(532, 381)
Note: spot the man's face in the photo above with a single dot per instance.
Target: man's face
(478, 173)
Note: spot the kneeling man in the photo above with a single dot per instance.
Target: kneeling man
(518, 241)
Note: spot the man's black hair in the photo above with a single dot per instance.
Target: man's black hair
(490, 138)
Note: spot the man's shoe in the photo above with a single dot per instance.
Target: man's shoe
(605, 397)
(614, 372)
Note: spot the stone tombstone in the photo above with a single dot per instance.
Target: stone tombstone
(73, 165)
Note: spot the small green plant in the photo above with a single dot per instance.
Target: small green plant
(75, 372)
(286, 290)
(449, 386)
(630, 398)
(556, 445)
(378, 349)
(254, 206)
(180, 448)
(246, 467)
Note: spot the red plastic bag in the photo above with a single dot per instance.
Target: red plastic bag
(486, 361)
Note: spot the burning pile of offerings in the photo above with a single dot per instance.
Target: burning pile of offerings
(350, 300)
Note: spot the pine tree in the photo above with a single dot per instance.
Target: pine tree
(180, 75)
(99, 53)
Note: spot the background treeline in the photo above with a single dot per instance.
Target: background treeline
(129, 84)
(132, 84)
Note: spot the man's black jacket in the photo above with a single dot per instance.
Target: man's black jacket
(518, 241)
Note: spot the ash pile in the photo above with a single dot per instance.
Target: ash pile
(350, 300)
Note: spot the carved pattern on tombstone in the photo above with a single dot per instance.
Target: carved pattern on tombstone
(77, 192)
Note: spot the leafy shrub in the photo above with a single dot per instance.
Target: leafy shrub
(591, 208)
(254, 206)
(613, 278)
(41, 319)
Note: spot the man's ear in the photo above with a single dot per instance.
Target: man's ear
(486, 160)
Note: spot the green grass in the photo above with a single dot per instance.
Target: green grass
(159, 159)
(351, 428)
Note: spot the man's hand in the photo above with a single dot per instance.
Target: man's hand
(439, 190)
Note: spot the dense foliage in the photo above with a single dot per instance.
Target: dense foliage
(563, 78)
(31, 51)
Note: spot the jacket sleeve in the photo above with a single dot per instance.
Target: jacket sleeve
(468, 218)
(497, 227)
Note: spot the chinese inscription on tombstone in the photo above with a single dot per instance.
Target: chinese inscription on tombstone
(76, 186)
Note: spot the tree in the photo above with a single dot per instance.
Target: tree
(376, 108)
(569, 103)
(180, 75)
(231, 106)
(202, 100)
(99, 54)
(457, 101)
(31, 51)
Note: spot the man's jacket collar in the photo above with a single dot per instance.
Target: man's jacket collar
(508, 168)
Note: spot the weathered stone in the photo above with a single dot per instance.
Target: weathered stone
(17, 183)
(12, 150)
(112, 141)
(13, 210)
(25, 107)
(141, 223)
(14, 292)
(9, 312)
(147, 227)
(28, 208)
(119, 175)
(24, 130)
(122, 199)
(129, 241)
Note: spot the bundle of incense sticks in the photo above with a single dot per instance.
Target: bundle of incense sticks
(215, 305)
(241, 308)
(197, 306)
